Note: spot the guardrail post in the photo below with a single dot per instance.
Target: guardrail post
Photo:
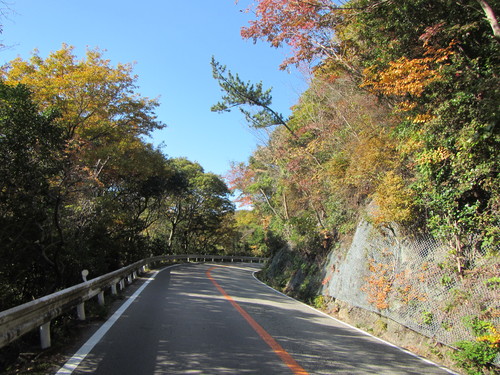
(80, 311)
(100, 299)
(113, 290)
(134, 275)
(45, 341)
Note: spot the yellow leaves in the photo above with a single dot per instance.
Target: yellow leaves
(434, 156)
(102, 114)
(492, 339)
(422, 119)
(402, 77)
(89, 92)
(372, 154)
(406, 106)
(336, 167)
(393, 199)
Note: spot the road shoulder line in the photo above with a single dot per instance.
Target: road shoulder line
(357, 329)
(85, 349)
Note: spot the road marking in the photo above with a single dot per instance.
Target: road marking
(85, 349)
(268, 339)
(357, 329)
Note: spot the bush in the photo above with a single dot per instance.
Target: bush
(477, 357)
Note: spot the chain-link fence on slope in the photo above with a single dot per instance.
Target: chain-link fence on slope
(414, 282)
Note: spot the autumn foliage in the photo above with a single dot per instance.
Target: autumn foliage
(304, 26)
(397, 126)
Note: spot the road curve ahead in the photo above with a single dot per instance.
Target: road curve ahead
(209, 319)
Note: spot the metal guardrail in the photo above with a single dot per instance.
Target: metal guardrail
(22, 319)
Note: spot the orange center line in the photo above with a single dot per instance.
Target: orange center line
(268, 339)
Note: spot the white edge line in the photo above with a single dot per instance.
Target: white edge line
(85, 349)
(253, 269)
(358, 329)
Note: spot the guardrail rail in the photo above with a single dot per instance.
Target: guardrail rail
(38, 313)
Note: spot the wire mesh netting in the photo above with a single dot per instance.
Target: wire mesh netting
(414, 282)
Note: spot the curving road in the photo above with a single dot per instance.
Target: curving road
(209, 319)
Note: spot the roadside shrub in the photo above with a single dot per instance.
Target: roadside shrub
(478, 357)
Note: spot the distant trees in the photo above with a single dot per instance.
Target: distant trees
(197, 210)
(79, 186)
(251, 236)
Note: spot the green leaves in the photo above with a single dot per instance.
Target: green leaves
(245, 96)
(31, 146)
(197, 211)
(427, 151)
(79, 186)
(477, 357)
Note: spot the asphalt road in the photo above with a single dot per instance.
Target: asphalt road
(207, 319)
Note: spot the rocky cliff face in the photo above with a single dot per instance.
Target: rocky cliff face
(412, 281)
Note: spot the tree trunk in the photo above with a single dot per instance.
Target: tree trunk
(171, 235)
(491, 17)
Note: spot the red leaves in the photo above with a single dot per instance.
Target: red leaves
(302, 25)
(240, 177)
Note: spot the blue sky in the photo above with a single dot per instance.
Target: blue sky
(171, 43)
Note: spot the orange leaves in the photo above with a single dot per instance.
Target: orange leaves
(409, 79)
(379, 284)
(402, 77)
(406, 286)
(405, 76)
(240, 178)
(384, 285)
